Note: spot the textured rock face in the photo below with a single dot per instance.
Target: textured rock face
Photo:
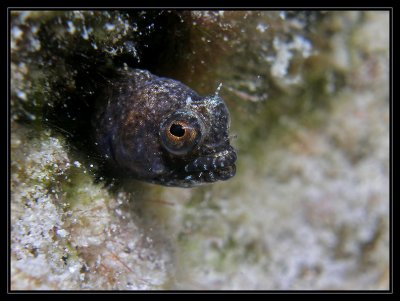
(308, 94)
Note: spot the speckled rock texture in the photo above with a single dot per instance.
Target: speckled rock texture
(308, 208)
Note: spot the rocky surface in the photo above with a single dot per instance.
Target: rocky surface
(309, 206)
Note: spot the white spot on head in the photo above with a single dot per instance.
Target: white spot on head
(188, 100)
(218, 89)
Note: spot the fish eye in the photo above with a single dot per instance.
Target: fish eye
(180, 132)
(177, 130)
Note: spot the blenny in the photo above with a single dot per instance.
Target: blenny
(158, 130)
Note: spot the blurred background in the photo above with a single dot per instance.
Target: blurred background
(308, 93)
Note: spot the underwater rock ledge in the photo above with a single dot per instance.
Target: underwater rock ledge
(309, 205)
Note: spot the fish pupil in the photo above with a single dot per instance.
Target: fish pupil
(177, 130)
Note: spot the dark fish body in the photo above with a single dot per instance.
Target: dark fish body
(158, 130)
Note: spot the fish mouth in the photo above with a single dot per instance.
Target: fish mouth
(213, 167)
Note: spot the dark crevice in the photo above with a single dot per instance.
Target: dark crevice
(76, 72)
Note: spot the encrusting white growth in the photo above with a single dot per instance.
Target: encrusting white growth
(188, 101)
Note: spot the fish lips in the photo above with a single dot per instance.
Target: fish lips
(215, 166)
